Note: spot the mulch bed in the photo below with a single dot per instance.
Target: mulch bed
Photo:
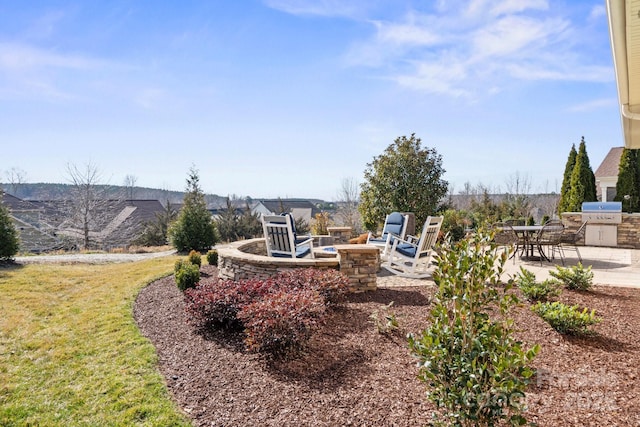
(352, 375)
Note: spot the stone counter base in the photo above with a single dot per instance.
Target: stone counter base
(248, 259)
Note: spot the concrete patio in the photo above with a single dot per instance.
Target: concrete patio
(610, 266)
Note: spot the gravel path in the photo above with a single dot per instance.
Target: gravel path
(90, 258)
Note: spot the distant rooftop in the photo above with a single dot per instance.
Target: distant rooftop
(610, 164)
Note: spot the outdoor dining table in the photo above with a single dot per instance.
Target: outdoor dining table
(529, 233)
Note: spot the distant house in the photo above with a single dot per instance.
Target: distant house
(47, 225)
(299, 208)
(607, 175)
(36, 235)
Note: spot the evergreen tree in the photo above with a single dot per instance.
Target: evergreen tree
(9, 242)
(405, 178)
(566, 180)
(194, 228)
(583, 181)
(629, 181)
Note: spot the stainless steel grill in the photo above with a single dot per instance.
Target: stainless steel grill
(602, 212)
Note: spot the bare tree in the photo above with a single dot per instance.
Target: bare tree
(348, 198)
(517, 197)
(89, 198)
(16, 177)
(130, 186)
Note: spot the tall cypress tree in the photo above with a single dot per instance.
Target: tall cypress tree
(583, 181)
(629, 181)
(566, 180)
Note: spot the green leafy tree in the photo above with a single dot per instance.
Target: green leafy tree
(232, 226)
(9, 242)
(629, 181)
(405, 178)
(194, 228)
(583, 181)
(566, 180)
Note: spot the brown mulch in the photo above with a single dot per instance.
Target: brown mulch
(353, 375)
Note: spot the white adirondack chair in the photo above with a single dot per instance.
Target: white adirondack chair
(412, 257)
(281, 239)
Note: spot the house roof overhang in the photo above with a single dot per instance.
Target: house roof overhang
(624, 29)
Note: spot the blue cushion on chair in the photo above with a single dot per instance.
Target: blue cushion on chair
(407, 250)
(394, 223)
(301, 252)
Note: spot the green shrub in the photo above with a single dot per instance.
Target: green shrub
(385, 320)
(187, 275)
(212, 257)
(455, 223)
(179, 264)
(576, 278)
(195, 258)
(566, 319)
(9, 240)
(536, 291)
(476, 370)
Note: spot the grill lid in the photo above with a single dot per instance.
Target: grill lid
(602, 207)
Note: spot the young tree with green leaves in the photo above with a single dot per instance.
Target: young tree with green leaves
(566, 180)
(629, 181)
(194, 228)
(405, 178)
(9, 241)
(583, 181)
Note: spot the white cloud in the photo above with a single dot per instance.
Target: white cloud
(317, 7)
(476, 47)
(15, 56)
(597, 12)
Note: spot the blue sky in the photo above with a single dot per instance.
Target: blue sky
(287, 98)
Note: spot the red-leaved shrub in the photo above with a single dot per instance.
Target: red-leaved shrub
(277, 314)
(216, 303)
(332, 285)
(282, 321)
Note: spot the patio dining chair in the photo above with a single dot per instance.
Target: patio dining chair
(506, 238)
(412, 258)
(550, 236)
(281, 240)
(395, 225)
(569, 240)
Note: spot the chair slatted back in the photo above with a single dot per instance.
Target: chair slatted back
(278, 232)
(429, 235)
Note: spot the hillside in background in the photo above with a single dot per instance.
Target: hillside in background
(50, 191)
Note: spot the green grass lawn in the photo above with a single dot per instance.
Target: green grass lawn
(70, 351)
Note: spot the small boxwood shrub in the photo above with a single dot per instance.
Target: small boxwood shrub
(576, 278)
(195, 258)
(536, 291)
(282, 321)
(187, 275)
(212, 257)
(570, 320)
